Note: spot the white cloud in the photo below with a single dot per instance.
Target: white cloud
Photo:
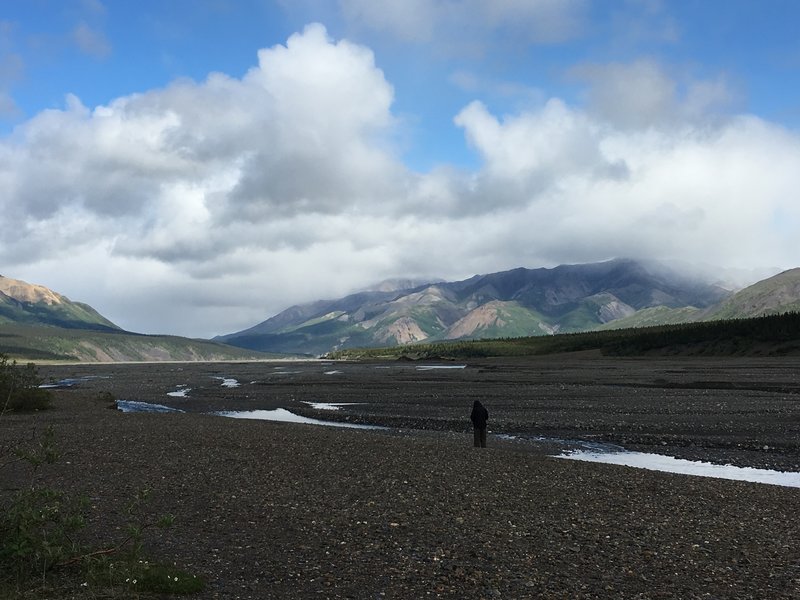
(535, 146)
(690, 192)
(198, 175)
(202, 208)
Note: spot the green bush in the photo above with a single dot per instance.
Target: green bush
(107, 398)
(37, 524)
(19, 387)
(39, 536)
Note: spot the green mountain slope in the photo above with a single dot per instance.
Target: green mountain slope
(36, 343)
(37, 323)
(775, 295)
(30, 304)
(658, 315)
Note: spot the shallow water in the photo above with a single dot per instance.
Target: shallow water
(574, 449)
(285, 416)
(434, 367)
(129, 406)
(72, 381)
(669, 464)
(329, 405)
(181, 392)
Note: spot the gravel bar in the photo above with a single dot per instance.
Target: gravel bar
(280, 510)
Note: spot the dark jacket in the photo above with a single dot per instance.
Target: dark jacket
(479, 415)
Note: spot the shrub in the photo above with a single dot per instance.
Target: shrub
(38, 527)
(19, 387)
(107, 398)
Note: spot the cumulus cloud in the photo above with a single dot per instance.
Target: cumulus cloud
(690, 192)
(300, 133)
(204, 207)
(197, 174)
(534, 149)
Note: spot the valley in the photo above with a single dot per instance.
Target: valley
(741, 410)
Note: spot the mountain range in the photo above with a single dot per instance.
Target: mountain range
(520, 302)
(38, 323)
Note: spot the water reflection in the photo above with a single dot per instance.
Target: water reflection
(285, 416)
(129, 406)
(669, 464)
(72, 381)
(181, 392)
(330, 405)
(228, 382)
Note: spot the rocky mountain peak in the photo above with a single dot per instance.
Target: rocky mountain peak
(22, 291)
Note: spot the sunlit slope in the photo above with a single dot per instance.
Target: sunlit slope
(30, 304)
(37, 323)
(775, 295)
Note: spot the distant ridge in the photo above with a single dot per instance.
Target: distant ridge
(519, 302)
(37, 323)
(31, 304)
(774, 295)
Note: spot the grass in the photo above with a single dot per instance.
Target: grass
(41, 553)
(130, 578)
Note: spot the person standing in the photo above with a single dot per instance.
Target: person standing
(479, 418)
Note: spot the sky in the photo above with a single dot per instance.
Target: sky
(194, 167)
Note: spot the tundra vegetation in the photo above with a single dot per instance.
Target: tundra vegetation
(41, 545)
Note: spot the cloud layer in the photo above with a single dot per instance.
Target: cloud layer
(204, 207)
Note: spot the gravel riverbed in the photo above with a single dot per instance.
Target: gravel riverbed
(280, 510)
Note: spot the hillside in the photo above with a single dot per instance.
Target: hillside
(37, 323)
(37, 343)
(31, 304)
(520, 302)
(775, 295)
